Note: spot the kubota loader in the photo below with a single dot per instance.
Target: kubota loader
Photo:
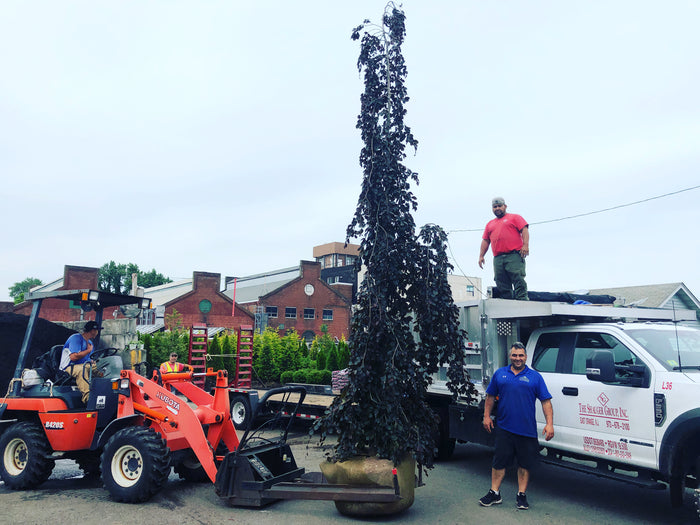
(134, 429)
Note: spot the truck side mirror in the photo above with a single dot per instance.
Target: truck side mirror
(600, 366)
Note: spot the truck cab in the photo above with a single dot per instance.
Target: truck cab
(625, 385)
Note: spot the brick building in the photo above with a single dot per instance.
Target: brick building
(199, 301)
(58, 310)
(295, 298)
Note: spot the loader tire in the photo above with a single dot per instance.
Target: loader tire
(135, 464)
(89, 463)
(190, 469)
(26, 456)
(240, 412)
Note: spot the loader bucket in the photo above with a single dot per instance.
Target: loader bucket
(245, 475)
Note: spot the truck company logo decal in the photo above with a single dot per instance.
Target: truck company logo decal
(54, 425)
(606, 447)
(171, 404)
(609, 417)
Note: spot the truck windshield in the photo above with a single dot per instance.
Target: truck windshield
(674, 349)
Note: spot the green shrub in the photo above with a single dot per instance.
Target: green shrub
(315, 377)
(300, 376)
(321, 359)
(287, 377)
(332, 361)
(326, 376)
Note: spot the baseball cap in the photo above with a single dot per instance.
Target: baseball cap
(498, 201)
(91, 325)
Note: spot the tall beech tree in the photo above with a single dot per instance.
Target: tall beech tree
(383, 410)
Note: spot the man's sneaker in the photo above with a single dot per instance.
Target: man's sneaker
(521, 501)
(491, 498)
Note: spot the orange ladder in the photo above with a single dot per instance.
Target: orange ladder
(244, 358)
(199, 347)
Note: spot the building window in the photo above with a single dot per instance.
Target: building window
(328, 315)
(309, 313)
(470, 290)
(290, 312)
(271, 311)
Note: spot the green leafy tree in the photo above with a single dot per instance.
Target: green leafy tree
(159, 346)
(228, 349)
(266, 350)
(117, 278)
(173, 320)
(18, 290)
(383, 409)
(332, 361)
(214, 350)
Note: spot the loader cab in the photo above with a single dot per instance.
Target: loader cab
(89, 301)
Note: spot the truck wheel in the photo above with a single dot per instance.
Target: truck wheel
(445, 444)
(240, 411)
(26, 454)
(135, 464)
(676, 488)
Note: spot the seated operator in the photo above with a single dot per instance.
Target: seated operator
(77, 353)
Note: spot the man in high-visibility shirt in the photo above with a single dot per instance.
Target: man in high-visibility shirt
(172, 365)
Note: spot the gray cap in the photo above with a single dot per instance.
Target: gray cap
(498, 201)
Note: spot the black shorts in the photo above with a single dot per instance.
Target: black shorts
(511, 446)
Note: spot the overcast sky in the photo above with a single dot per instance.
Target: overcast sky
(220, 136)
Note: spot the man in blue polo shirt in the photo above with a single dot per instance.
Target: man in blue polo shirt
(517, 387)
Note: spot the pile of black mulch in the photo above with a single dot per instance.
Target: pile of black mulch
(12, 328)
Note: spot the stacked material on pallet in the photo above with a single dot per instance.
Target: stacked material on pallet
(339, 379)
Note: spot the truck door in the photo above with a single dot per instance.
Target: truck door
(609, 420)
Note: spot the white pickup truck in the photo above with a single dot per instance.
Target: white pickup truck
(625, 384)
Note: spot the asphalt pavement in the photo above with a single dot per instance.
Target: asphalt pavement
(450, 496)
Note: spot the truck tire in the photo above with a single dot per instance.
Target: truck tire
(135, 464)
(240, 411)
(26, 456)
(676, 488)
(445, 444)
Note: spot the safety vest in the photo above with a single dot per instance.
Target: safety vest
(166, 367)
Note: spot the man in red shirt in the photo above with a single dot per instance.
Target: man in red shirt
(509, 238)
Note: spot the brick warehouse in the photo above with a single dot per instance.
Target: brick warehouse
(57, 310)
(305, 303)
(205, 304)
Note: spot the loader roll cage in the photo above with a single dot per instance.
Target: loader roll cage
(88, 299)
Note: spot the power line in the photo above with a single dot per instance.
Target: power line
(593, 212)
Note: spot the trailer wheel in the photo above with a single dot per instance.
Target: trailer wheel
(240, 411)
(135, 464)
(26, 456)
